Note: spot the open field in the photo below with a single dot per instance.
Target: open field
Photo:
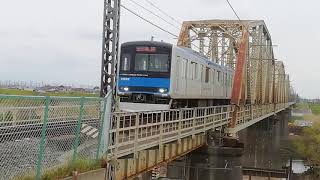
(308, 111)
(32, 93)
(315, 108)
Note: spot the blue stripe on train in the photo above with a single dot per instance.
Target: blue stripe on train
(144, 82)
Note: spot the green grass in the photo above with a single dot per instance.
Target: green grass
(31, 93)
(293, 118)
(315, 108)
(17, 92)
(301, 106)
(81, 166)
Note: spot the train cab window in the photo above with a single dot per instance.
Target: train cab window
(141, 62)
(207, 75)
(159, 63)
(126, 62)
(152, 62)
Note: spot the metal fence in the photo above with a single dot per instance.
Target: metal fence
(40, 133)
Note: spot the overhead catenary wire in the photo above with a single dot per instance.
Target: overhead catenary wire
(168, 15)
(163, 12)
(154, 24)
(141, 6)
(234, 11)
(148, 21)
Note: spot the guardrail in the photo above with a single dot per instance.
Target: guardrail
(250, 114)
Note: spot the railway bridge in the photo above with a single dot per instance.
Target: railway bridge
(140, 141)
(136, 142)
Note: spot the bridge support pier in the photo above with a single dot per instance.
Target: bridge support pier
(215, 163)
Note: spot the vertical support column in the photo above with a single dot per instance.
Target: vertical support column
(179, 125)
(77, 140)
(43, 137)
(110, 45)
(136, 134)
(194, 122)
(161, 136)
(116, 138)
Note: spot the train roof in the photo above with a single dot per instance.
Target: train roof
(147, 43)
(203, 58)
(185, 49)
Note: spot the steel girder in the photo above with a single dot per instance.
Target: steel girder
(220, 41)
(245, 46)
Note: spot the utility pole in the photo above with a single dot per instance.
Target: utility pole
(110, 46)
(110, 49)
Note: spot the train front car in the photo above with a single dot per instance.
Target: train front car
(144, 72)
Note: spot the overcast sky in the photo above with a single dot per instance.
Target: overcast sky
(60, 40)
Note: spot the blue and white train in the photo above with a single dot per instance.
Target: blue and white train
(161, 73)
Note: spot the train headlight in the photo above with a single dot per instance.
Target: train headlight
(162, 90)
(126, 89)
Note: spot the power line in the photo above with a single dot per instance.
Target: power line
(154, 14)
(234, 11)
(136, 14)
(155, 6)
(139, 16)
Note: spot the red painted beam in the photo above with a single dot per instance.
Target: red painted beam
(238, 76)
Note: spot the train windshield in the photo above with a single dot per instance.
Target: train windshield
(152, 62)
(146, 60)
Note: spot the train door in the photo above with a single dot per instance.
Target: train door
(183, 76)
(180, 76)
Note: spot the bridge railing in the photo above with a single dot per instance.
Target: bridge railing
(250, 114)
(41, 133)
(132, 132)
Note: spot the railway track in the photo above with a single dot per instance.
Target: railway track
(10, 132)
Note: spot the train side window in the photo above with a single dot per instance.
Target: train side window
(219, 76)
(183, 68)
(212, 75)
(225, 79)
(196, 71)
(201, 74)
(186, 68)
(207, 75)
(178, 64)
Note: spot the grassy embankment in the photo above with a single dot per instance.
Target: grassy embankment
(32, 93)
(63, 171)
